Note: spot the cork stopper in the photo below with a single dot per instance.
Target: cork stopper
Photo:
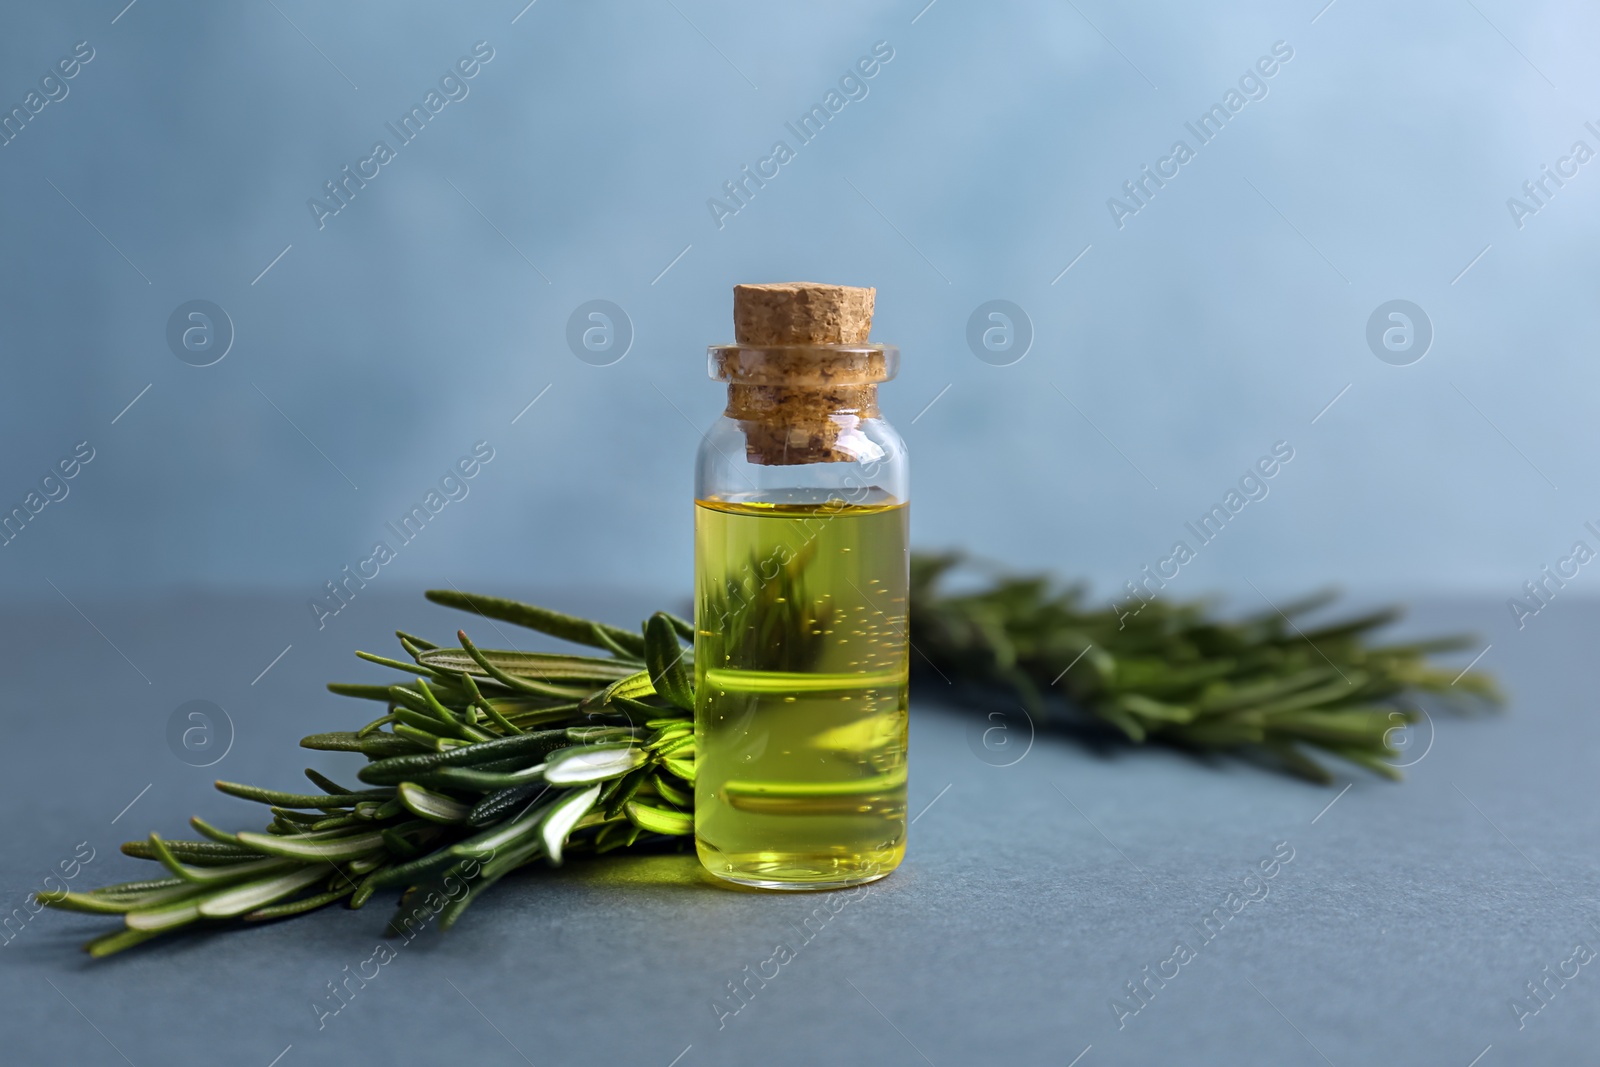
(801, 313)
(802, 373)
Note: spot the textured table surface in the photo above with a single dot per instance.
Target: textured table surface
(1407, 920)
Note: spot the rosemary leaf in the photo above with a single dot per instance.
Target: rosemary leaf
(338, 848)
(567, 627)
(112, 943)
(562, 817)
(297, 907)
(543, 666)
(435, 807)
(300, 800)
(659, 820)
(665, 656)
(253, 895)
(583, 764)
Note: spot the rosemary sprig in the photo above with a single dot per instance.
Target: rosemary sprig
(1172, 671)
(485, 761)
(489, 760)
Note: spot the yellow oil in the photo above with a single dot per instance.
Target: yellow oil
(801, 676)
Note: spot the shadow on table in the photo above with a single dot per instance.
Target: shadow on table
(620, 870)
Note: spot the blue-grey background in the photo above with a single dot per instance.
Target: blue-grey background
(1168, 355)
(1222, 318)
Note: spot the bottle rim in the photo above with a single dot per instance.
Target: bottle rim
(796, 364)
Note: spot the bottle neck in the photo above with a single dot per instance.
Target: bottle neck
(794, 424)
(802, 403)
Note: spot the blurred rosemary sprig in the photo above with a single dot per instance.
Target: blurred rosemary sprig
(489, 760)
(1174, 672)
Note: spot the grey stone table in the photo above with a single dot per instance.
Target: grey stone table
(1399, 923)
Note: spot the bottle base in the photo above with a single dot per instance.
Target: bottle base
(757, 882)
(793, 873)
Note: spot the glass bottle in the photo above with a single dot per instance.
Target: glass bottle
(801, 557)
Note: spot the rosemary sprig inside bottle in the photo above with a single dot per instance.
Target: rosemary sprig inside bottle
(486, 761)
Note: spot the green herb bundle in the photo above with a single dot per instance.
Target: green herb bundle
(1172, 671)
(485, 761)
(489, 760)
